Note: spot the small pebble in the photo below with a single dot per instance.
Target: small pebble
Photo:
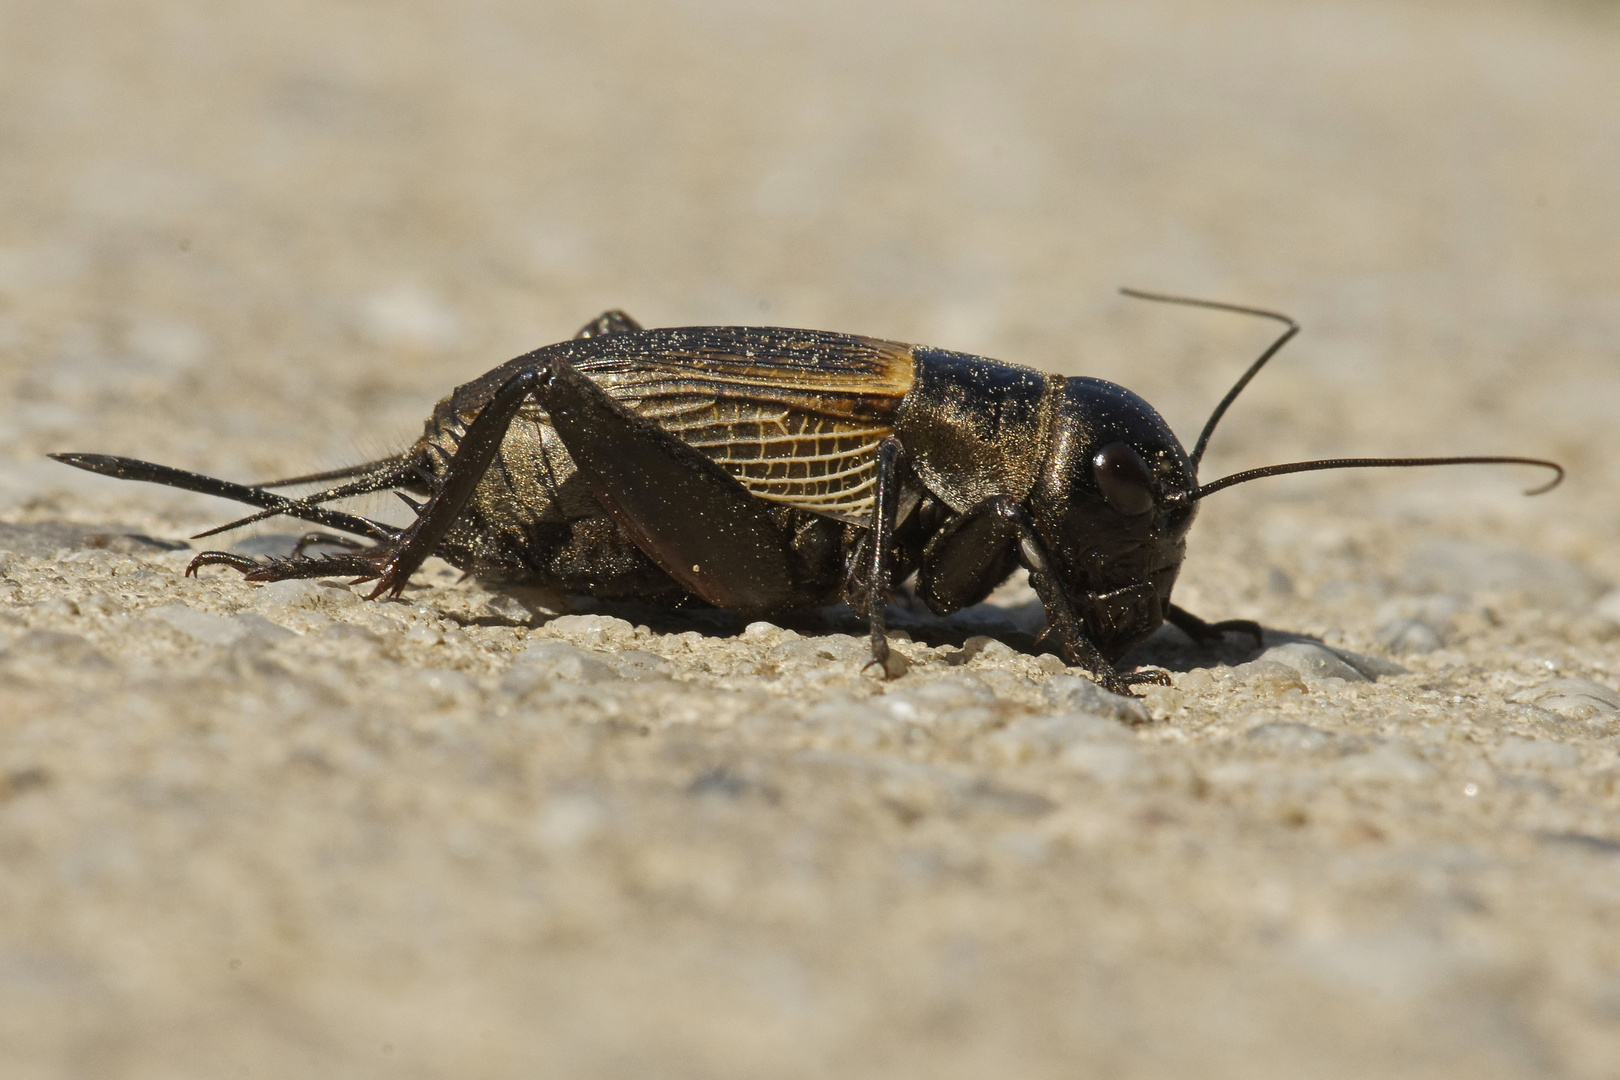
(1409, 636)
(816, 651)
(99, 604)
(1312, 661)
(638, 664)
(560, 660)
(1342, 593)
(509, 609)
(1074, 694)
(447, 685)
(1196, 681)
(423, 635)
(276, 545)
(594, 630)
(1574, 699)
(1439, 610)
(259, 628)
(567, 821)
(1162, 701)
(1268, 678)
(341, 631)
(1052, 665)
(982, 651)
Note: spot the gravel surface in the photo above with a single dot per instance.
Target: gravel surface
(283, 831)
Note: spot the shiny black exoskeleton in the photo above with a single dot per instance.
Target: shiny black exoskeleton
(762, 469)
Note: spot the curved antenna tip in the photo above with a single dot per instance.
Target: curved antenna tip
(1558, 477)
(1378, 463)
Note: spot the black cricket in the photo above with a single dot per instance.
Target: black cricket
(763, 469)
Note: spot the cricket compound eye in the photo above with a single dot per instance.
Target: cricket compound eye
(1124, 479)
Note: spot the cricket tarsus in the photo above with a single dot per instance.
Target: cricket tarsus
(362, 566)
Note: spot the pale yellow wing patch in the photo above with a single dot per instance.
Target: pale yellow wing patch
(821, 464)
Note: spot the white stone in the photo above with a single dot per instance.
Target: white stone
(1074, 694)
(1573, 699)
(560, 660)
(1409, 636)
(1312, 661)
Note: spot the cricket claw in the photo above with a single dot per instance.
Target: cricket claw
(221, 558)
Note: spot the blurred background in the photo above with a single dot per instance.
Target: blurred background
(259, 238)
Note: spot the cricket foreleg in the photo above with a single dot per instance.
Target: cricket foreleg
(977, 550)
(872, 593)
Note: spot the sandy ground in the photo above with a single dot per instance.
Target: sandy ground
(284, 832)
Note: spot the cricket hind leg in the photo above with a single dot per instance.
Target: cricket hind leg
(685, 512)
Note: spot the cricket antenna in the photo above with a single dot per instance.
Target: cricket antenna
(1202, 490)
(1254, 368)
(1376, 463)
